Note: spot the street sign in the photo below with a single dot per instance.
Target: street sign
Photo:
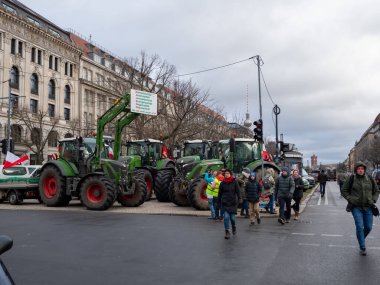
(143, 102)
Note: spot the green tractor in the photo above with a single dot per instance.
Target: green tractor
(149, 160)
(193, 153)
(83, 171)
(234, 154)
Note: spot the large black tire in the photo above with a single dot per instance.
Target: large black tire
(147, 177)
(14, 197)
(139, 195)
(97, 193)
(161, 186)
(178, 191)
(52, 188)
(197, 194)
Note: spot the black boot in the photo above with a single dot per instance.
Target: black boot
(234, 230)
(227, 235)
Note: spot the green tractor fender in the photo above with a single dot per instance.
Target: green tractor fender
(167, 162)
(66, 168)
(201, 168)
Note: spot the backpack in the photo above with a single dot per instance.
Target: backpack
(266, 183)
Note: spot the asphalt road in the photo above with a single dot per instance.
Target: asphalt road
(85, 247)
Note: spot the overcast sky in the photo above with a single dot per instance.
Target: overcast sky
(321, 58)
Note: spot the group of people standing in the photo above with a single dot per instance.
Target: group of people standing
(225, 194)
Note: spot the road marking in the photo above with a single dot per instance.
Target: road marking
(328, 235)
(309, 244)
(325, 196)
(303, 234)
(368, 237)
(342, 246)
(319, 200)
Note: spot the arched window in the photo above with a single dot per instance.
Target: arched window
(34, 84)
(16, 131)
(35, 136)
(53, 139)
(68, 135)
(67, 94)
(15, 77)
(51, 89)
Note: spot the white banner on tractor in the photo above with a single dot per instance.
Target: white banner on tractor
(143, 102)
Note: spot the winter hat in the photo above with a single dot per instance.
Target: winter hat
(284, 168)
(220, 177)
(253, 174)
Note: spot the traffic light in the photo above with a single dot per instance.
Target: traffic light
(258, 130)
(4, 146)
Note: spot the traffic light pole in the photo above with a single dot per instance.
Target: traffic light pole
(9, 118)
(259, 63)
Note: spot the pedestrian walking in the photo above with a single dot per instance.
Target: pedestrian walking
(361, 193)
(215, 193)
(244, 205)
(209, 178)
(229, 196)
(284, 190)
(298, 193)
(342, 177)
(253, 192)
(268, 190)
(322, 178)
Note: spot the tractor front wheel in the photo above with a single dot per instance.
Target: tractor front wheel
(14, 197)
(147, 177)
(178, 191)
(161, 187)
(97, 193)
(197, 194)
(139, 195)
(52, 187)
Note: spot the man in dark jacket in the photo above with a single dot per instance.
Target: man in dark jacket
(253, 192)
(284, 190)
(361, 192)
(322, 178)
(229, 196)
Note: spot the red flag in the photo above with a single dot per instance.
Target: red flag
(12, 159)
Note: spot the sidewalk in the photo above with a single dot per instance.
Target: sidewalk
(152, 207)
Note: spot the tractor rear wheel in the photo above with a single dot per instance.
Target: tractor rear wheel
(178, 191)
(52, 187)
(147, 177)
(97, 193)
(161, 186)
(197, 194)
(139, 195)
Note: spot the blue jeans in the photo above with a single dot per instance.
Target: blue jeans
(244, 207)
(227, 218)
(218, 210)
(322, 188)
(270, 204)
(211, 205)
(363, 222)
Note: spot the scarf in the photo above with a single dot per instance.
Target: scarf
(229, 179)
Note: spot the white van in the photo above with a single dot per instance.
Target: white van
(19, 182)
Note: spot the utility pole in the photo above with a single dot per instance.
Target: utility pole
(259, 63)
(9, 117)
(276, 111)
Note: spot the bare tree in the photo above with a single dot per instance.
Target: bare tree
(40, 128)
(373, 153)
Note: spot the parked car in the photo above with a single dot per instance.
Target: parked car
(309, 178)
(376, 176)
(306, 184)
(315, 174)
(19, 182)
(5, 244)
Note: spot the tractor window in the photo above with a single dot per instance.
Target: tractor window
(14, 171)
(192, 149)
(247, 151)
(136, 149)
(68, 151)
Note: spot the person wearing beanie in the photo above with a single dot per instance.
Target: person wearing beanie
(229, 196)
(215, 186)
(361, 193)
(284, 190)
(253, 192)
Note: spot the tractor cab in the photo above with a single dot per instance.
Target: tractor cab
(151, 151)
